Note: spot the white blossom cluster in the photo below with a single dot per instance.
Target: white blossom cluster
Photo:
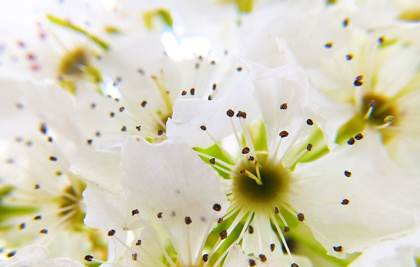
(211, 133)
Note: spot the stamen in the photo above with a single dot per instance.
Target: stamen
(251, 175)
(388, 121)
(370, 110)
(283, 239)
(298, 156)
(204, 128)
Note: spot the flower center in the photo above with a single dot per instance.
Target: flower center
(273, 185)
(73, 62)
(379, 110)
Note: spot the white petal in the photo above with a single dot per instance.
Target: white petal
(170, 178)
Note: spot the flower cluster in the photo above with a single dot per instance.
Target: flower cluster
(209, 133)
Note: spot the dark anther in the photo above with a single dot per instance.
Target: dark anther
(338, 249)
(205, 257)
(134, 212)
(263, 258)
(301, 217)
(192, 91)
(123, 129)
(111, 232)
(245, 150)
(44, 231)
(250, 229)
(159, 215)
(252, 262)
(37, 218)
(309, 122)
(272, 247)
(286, 229)
(276, 210)
(89, 141)
(220, 220)
(346, 22)
(347, 173)
(294, 265)
(230, 113)
(309, 147)
(160, 132)
(53, 158)
(345, 202)
(88, 258)
(134, 256)
(138, 243)
(188, 220)
(283, 106)
(217, 207)
(212, 161)
(111, 114)
(223, 234)
(122, 109)
(138, 128)
(241, 114)
(358, 136)
(283, 134)
(351, 141)
(239, 68)
(203, 127)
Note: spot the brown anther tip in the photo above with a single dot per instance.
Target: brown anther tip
(205, 257)
(346, 22)
(286, 229)
(123, 129)
(223, 234)
(184, 92)
(37, 186)
(294, 265)
(160, 132)
(309, 122)
(52, 158)
(241, 114)
(239, 68)
(347, 174)
(188, 220)
(88, 258)
(143, 104)
(309, 147)
(283, 134)
(212, 161)
(351, 141)
(122, 109)
(44, 231)
(242, 172)
(111, 114)
(37, 218)
(220, 220)
(345, 202)
(301, 217)
(250, 229)
(283, 106)
(276, 210)
(358, 82)
(349, 56)
(372, 103)
(338, 249)
(252, 262)
(214, 86)
(272, 247)
(217, 207)
(358, 136)
(262, 257)
(245, 150)
(159, 215)
(111, 232)
(203, 127)
(138, 243)
(89, 141)
(134, 212)
(134, 256)
(22, 226)
(251, 158)
(230, 113)
(192, 91)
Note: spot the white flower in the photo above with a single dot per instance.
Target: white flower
(175, 197)
(339, 196)
(38, 256)
(42, 200)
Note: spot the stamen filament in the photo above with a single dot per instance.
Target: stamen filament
(163, 93)
(221, 162)
(283, 240)
(221, 147)
(251, 175)
(388, 121)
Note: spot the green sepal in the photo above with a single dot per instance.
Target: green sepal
(66, 24)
